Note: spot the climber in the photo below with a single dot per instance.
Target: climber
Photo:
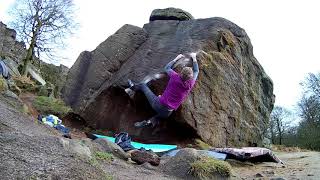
(178, 87)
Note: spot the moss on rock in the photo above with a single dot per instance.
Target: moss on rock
(202, 145)
(209, 168)
(3, 85)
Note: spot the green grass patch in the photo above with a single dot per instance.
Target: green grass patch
(49, 105)
(108, 176)
(100, 156)
(104, 156)
(93, 162)
(209, 168)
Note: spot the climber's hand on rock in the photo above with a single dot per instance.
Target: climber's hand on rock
(180, 56)
(177, 58)
(193, 55)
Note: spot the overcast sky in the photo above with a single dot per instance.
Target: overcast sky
(285, 34)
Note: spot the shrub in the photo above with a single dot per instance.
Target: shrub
(49, 105)
(25, 83)
(43, 91)
(209, 168)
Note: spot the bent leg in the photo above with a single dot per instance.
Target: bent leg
(155, 120)
(152, 122)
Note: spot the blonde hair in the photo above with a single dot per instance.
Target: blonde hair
(186, 73)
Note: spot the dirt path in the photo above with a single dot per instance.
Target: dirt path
(27, 99)
(297, 165)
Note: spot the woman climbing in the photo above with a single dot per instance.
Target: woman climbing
(177, 89)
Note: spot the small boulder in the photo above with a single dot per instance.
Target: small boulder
(142, 156)
(189, 163)
(11, 94)
(12, 66)
(5, 89)
(210, 168)
(180, 164)
(110, 147)
(33, 71)
(170, 14)
(77, 146)
(278, 178)
(259, 175)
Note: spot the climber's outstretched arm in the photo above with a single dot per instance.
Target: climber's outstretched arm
(195, 65)
(168, 67)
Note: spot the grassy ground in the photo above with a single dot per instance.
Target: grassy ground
(48, 105)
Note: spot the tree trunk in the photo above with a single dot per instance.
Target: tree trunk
(30, 51)
(279, 125)
(280, 138)
(26, 61)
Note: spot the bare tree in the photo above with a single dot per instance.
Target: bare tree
(311, 85)
(272, 130)
(309, 126)
(279, 122)
(309, 107)
(42, 25)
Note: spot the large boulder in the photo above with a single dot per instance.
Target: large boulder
(229, 106)
(92, 69)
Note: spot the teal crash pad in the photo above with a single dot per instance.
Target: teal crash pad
(153, 147)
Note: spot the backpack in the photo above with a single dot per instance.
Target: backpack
(4, 70)
(124, 141)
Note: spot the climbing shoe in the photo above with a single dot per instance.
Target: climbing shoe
(130, 83)
(130, 90)
(134, 86)
(145, 123)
